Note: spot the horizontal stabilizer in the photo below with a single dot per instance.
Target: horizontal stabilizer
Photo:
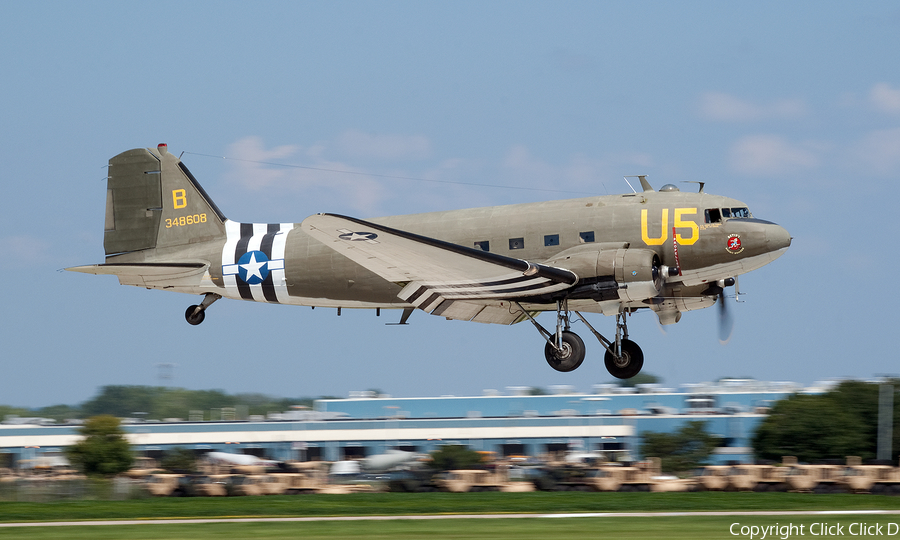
(149, 274)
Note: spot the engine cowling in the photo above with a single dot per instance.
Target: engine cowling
(613, 272)
(637, 271)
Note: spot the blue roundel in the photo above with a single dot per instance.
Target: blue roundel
(253, 267)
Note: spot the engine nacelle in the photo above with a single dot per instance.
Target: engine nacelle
(637, 271)
(612, 272)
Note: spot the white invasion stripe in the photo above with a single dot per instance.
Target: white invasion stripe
(481, 289)
(233, 235)
(472, 287)
(503, 277)
(473, 293)
(276, 266)
(433, 305)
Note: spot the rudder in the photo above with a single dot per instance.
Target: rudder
(153, 202)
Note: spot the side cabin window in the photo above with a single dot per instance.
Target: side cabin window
(483, 245)
(516, 243)
(551, 240)
(713, 215)
(586, 237)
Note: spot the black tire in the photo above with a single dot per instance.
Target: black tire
(630, 363)
(194, 318)
(570, 357)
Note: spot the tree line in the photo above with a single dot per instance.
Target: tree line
(814, 428)
(158, 403)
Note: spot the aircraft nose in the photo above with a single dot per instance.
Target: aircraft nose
(777, 237)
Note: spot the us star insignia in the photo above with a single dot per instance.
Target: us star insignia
(358, 236)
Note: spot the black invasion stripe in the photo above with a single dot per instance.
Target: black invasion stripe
(505, 281)
(490, 294)
(246, 234)
(442, 307)
(419, 292)
(429, 300)
(472, 286)
(268, 284)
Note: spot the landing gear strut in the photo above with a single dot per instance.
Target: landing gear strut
(623, 358)
(565, 350)
(566, 356)
(196, 313)
(628, 363)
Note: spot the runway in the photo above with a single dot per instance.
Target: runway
(448, 516)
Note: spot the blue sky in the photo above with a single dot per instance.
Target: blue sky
(793, 108)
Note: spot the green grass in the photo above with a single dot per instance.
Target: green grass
(370, 504)
(671, 528)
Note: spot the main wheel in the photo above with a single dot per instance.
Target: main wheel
(569, 356)
(629, 364)
(194, 318)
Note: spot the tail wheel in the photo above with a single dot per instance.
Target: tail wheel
(569, 356)
(194, 316)
(628, 364)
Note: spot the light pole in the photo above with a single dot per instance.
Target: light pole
(387, 418)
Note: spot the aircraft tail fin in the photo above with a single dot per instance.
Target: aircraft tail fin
(153, 201)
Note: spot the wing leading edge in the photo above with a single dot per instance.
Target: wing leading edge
(440, 277)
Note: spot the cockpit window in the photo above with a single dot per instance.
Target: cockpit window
(716, 215)
(713, 215)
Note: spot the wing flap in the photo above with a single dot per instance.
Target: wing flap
(483, 312)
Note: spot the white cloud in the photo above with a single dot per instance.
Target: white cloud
(885, 98)
(770, 155)
(356, 143)
(528, 170)
(879, 152)
(721, 107)
(292, 168)
(580, 173)
(253, 162)
(289, 173)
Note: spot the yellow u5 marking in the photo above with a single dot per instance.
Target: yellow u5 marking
(680, 223)
(179, 198)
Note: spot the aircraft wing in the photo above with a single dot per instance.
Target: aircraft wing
(440, 277)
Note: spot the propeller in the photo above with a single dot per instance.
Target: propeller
(726, 320)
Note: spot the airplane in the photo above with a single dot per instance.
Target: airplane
(665, 251)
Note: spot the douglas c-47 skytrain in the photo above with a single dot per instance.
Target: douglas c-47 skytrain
(667, 251)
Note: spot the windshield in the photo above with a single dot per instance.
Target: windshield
(716, 215)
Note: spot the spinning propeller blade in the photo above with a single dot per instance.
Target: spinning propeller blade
(726, 321)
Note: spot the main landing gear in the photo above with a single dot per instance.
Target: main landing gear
(565, 350)
(195, 314)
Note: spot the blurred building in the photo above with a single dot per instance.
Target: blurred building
(610, 419)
